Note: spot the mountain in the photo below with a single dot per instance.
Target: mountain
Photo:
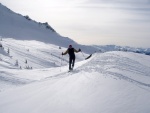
(105, 48)
(16, 26)
(27, 43)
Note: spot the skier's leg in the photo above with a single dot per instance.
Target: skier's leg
(70, 62)
(73, 61)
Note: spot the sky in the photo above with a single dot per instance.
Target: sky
(92, 22)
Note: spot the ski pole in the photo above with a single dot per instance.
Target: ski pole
(82, 54)
(61, 62)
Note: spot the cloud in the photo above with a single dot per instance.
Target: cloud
(134, 10)
(125, 4)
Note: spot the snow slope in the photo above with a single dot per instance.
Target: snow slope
(16, 26)
(26, 56)
(111, 82)
(33, 54)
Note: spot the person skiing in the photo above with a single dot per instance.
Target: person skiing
(71, 53)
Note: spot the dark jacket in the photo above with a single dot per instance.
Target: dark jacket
(71, 51)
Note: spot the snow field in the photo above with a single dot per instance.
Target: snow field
(99, 84)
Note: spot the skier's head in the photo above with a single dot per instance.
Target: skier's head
(70, 46)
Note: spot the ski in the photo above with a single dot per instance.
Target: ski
(88, 57)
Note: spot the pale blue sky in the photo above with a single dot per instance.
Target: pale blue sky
(101, 22)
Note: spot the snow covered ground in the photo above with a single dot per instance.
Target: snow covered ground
(111, 82)
(33, 54)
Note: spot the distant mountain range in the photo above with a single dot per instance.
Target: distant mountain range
(123, 48)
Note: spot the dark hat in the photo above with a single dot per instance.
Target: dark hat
(70, 46)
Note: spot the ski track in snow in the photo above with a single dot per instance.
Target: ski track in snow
(9, 78)
(38, 54)
(10, 81)
(103, 63)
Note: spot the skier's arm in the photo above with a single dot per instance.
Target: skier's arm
(65, 52)
(77, 51)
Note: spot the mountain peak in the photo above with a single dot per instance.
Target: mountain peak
(20, 27)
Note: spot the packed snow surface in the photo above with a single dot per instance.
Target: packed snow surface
(111, 82)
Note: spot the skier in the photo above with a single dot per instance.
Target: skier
(71, 53)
